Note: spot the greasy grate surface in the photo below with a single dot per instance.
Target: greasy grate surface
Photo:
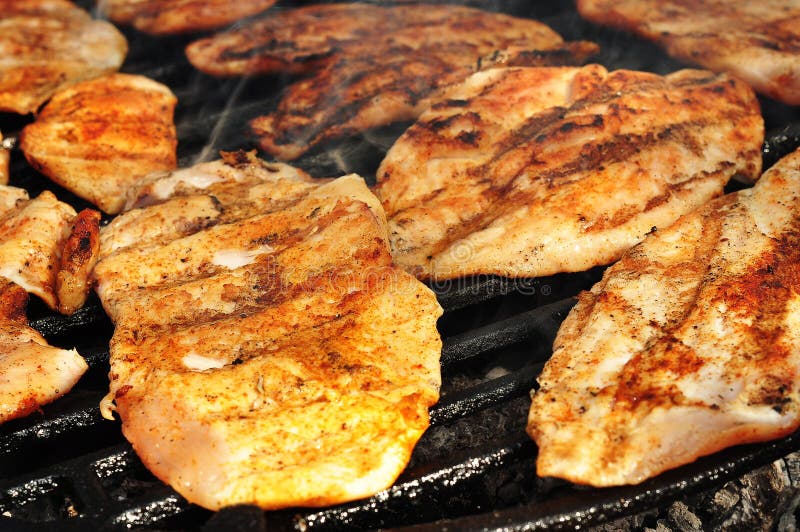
(66, 468)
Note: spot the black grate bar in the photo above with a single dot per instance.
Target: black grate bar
(161, 503)
(82, 321)
(459, 293)
(79, 414)
(780, 142)
(541, 323)
(465, 402)
(576, 510)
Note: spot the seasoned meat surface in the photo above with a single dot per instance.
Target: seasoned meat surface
(758, 42)
(688, 344)
(166, 17)
(273, 356)
(32, 373)
(4, 160)
(46, 45)
(100, 137)
(370, 65)
(78, 257)
(525, 172)
(32, 232)
(305, 38)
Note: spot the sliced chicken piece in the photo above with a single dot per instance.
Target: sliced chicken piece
(4, 160)
(100, 137)
(525, 172)
(78, 258)
(166, 17)
(758, 42)
(278, 359)
(372, 65)
(32, 373)
(32, 232)
(689, 344)
(46, 45)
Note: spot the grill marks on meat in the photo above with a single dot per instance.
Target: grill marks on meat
(167, 17)
(270, 355)
(302, 39)
(100, 137)
(371, 65)
(32, 373)
(757, 42)
(530, 172)
(46, 45)
(688, 345)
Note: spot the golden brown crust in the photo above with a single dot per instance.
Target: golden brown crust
(168, 17)
(686, 346)
(273, 356)
(534, 171)
(100, 137)
(32, 373)
(13, 302)
(78, 258)
(388, 65)
(48, 45)
(758, 42)
(4, 160)
(32, 232)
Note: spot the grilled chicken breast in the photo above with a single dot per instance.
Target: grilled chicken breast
(306, 38)
(372, 65)
(273, 357)
(758, 42)
(100, 137)
(163, 17)
(46, 45)
(79, 255)
(4, 159)
(526, 172)
(32, 232)
(32, 373)
(689, 344)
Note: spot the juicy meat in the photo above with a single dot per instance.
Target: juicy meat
(689, 344)
(376, 87)
(78, 258)
(299, 40)
(4, 159)
(527, 172)
(371, 65)
(46, 45)
(758, 42)
(100, 137)
(32, 373)
(163, 17)
(274, 357)
(32, 232)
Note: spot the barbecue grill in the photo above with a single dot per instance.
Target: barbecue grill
(67, 468)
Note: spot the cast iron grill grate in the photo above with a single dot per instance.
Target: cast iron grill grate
(67, 468)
